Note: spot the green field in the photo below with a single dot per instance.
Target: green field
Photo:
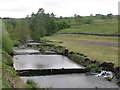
(91, 47)
(96, 28)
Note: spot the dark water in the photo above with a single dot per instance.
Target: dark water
(43, 62)
(71, 81)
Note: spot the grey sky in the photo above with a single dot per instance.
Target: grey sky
(22, 8)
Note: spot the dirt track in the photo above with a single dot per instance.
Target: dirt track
(109, 44)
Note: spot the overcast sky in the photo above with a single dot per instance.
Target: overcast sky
(22, 8)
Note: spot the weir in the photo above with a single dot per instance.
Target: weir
(39, 72)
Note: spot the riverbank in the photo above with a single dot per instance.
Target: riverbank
(91, 65)
(34, 63)
(9, 77)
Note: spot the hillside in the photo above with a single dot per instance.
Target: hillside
(100, 48)
(107, 27)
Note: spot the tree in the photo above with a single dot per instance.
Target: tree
(42, 24)
(78, 19)
(109, 16)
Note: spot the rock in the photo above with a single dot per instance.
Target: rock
(12, 54)
(60, 47)
(71, 52)
(93, 61)
(15, 45)
(108, 78)
(87, 59)
(66, 51)
(107, 66)
(117, 72)
(82, 54)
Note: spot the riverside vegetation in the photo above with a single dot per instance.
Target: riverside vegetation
(40, 26)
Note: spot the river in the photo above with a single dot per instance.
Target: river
(39, 61)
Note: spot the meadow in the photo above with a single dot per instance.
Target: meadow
(100, 48)
(106, 27)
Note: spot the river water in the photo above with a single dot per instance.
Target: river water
(38, 61)
(22, 62)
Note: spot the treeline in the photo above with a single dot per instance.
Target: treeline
(36, 26)
(80, 20)
(41, 24)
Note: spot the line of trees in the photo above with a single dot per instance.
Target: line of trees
(42, 24)
(36, 26)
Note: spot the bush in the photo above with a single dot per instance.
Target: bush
(87, 21)
(62, 25)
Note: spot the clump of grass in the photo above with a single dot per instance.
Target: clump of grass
(77, 57)
(31, 84)
(6, 58)
(93, 66)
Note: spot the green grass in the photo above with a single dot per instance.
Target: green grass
(77, 57)
(94, 52)
(96, 28)
(93, 66)
(31, 84)
(101, 53)
(58, 37)
(5, 83)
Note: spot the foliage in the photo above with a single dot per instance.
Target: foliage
(41, 24)
(5, 83)
(78, 19)
(62, 25)
(93, 66)
(9, 78)
(87, 21)
(22, 31)
(18, 29)
(6, 41)
(6, 58)
(31, 84)
(77, 57)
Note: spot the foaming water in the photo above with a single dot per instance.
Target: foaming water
(26, 50)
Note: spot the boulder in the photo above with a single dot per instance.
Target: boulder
(117, 72)
(107, 66)
(71, 52)
(66, 51)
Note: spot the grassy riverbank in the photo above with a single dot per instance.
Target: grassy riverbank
(100, 48)
(8, 74)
